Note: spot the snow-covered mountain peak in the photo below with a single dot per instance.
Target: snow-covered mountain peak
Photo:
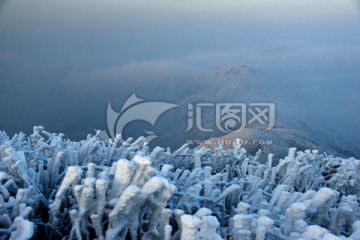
(232, 73)
(236, 70)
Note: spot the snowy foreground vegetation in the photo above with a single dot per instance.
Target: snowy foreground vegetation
(52, 188)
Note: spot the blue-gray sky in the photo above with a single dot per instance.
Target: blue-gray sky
(54, 55)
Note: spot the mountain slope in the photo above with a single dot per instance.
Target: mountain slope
(238, 82)
(290, 133)
(242, 84)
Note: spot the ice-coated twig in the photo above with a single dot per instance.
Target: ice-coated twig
(107, 190)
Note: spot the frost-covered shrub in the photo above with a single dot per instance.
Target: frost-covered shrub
(53, 188)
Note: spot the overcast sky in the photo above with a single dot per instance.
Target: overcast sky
(51, 51)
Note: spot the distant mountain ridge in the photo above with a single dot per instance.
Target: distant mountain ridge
(290, 133)
(241, 83)
(238, 82)
(231, 84)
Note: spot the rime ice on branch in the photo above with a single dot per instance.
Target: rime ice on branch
(92, 189)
